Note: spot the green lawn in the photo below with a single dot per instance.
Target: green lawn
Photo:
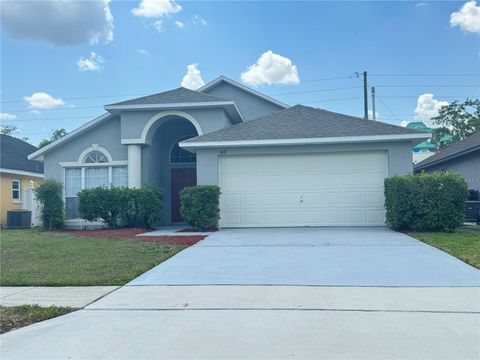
(462, 244)
(40, 258)
(12, 318)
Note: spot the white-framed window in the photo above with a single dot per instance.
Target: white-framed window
(16, 191)
(94, 169)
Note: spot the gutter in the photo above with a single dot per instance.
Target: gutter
(303, 141)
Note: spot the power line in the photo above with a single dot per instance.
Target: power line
(388, 109)
(47, 119)
(315, 91)
(330, 100)
(442, 86)
(439, 75)
(77, 98)
(327, 79)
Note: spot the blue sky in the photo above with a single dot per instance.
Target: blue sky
(319, 43)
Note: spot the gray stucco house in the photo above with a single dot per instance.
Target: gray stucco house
(276, 165)
(462, 157)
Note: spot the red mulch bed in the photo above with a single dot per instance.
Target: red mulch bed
(130, 234)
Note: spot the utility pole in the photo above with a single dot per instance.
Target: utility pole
(365, 94)
(374, 116)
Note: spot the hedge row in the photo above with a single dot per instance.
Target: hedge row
(425, 202)
(121, 206)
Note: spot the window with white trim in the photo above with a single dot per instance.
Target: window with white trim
(95, 170)
(16, 190)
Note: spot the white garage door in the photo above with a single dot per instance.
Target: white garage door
(333, 189)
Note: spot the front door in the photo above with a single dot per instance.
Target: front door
(181, 178)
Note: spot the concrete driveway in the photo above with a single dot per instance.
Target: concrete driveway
(312, 256)
(319, 293)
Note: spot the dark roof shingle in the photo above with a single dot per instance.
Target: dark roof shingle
(179, 95)
(14, 154)
(301, 122)
(467, 145)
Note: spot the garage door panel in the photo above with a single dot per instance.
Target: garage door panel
(354, 217)
(374, 197)
(329, 189)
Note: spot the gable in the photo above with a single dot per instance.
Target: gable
(251, 105)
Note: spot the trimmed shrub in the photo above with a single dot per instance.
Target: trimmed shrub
(99, 203)
(200, 206)
(49, 195)
(121, 206)
(149, 208)
(425, 202)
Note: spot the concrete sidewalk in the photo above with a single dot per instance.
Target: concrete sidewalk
(66, 296)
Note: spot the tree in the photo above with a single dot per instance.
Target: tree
(56, 134)
(457, 121)
(8, 130)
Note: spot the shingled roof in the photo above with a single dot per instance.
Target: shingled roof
(13, 155)
(303, 122)
(179, 95)
(466, 146)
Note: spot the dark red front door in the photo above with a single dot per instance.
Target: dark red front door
(181, 178)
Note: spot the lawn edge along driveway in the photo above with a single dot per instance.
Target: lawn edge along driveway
(463, 244)
(33, 257)
(15, 317)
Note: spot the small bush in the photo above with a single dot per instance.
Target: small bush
(99, 203)
(49, 195)
(150, 205)
(425, 202)
(121, 206)
(200, 206)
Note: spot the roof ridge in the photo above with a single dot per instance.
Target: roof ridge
(166, 92)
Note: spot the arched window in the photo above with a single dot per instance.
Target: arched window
(179, 155)
(95, 157)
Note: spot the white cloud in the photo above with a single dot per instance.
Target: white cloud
(7, 116)
(158, 25)
(59, 22)
(428, 107)
(193, 79)
(179, 24)
(370, 114)
(198, 20)
(271, 69)
(421, 4)
(404, 123)
(93, 63)
(43, 101)
(467, 18)
(156, 8)
(144, 52)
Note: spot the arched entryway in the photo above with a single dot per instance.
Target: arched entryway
(167, 165)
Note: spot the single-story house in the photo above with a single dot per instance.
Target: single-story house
(18, 175)
(277, 165)
(462, 157)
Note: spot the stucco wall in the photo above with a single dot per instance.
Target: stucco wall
(399, 156)
(106, 134)
(156, 167)
(6, 201)
(133, 122)
(468, 166)
(251, 106)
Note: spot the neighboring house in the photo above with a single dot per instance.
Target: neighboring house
(276, 165)
(425, 149)
(18, 174)
(462, 157)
